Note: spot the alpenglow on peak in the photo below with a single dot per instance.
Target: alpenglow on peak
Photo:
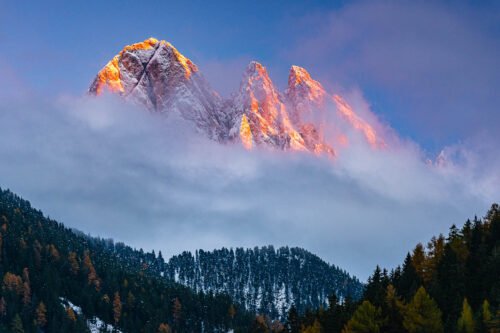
(153, 73)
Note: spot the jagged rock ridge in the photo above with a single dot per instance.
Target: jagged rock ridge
(153, 73)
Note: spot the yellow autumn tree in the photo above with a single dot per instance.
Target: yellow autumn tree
(366, 319)
(41, 315)
(13, 282)
(314, 328)
(177, 309)
(466, 322)
(73, 263)
(71, 314)
(92, 277)
(117, 307)
(164, 328)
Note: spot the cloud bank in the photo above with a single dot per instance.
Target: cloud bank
(111, 170)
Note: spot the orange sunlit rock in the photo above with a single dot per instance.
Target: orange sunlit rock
(348, 113)
(188, 65)
(245, 133)
(109, 77)
(300, 76)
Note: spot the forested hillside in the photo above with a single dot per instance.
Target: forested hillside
(265, 280)
(59, 280)
(451, 284)
(44, 267)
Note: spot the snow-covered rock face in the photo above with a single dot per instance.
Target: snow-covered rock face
(153, 73)
(260, 113)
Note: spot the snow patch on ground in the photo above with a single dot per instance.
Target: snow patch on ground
(94, 324)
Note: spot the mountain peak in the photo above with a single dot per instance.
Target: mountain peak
(131, 62)
(255, 66)
(301, 85)
(155, 74)
(254, 71)
(298, 74)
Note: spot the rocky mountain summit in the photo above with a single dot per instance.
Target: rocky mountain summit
(154, 74)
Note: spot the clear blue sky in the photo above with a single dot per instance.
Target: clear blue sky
(430, 70)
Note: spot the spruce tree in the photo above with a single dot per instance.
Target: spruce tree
(17, 325)
(293, 320)
(366, 319)
(393, 308)
(422, 314)
(466, 323)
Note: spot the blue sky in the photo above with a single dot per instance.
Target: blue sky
(429, 69)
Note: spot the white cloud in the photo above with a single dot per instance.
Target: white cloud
(108, 169)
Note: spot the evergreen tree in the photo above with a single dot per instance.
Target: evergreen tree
(375, 289)
(422, 314)
(17, 325)
(484, 317)
(392, 309)
(117, 308)
(409, 281)
(293, 320)
(41, 315)
(164, 328)
(466, 323)
(314, 328)
(366, 319)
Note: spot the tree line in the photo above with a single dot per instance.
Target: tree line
(451, 284)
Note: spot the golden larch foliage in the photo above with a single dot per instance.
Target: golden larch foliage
(41, 315)
(70, 313)
(117, 307)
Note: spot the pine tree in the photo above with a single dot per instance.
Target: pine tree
(117, 308)
(419, 260)
(466, 323)
(366, 319)
(260, 325)
(17, 325)
(293, 320)
(73, 263)
(314, 328)
(164, 328)
(3, 307)
(375, 290)
(92, 277)
(392, 309)
(409, 281)
(484, 317)
(422, 314)
(177, 310)
(26, 287)
(41, 315)
(71, 314)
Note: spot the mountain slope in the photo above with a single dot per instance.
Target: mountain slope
(42, 261)
(265, 280)
(49, 272)
(154, 74)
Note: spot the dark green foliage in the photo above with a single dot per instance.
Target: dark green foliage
(366, 319)
(422, 314)
(41, 262)
(253, 277)
(452, 285)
